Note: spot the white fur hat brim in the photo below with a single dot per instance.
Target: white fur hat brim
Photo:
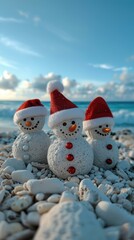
(29, 112)
(63, 115)
(88, 124)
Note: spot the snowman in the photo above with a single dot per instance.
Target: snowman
(32, 143)
(69, 154)
(97, 125)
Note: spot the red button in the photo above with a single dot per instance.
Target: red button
(109, 146)
(109, 161)
(69, 145)
(70, 157)
(71, 170)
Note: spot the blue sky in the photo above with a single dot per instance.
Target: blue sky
(87, 44)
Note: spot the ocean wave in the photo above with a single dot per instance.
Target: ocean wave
(123, 118)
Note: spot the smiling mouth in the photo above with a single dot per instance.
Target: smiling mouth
(70, 134)
(102, 134)
(30, 128)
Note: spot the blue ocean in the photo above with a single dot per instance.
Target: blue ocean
(123, 114)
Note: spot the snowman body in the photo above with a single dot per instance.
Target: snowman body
(104, 148)
(31, 147)
(105, 152)
(70, 154)
(32, 143)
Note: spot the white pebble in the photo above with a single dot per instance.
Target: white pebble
(75, 180)
(9, 169)
(88, 191)
(113, 215)
(29, 167)
(44, 207)
(67, 197)
(40, 196)
(7, 229)
(13, 162)
(124, 165)
(33, 218)
(22, 176)
(54, 198)
(48, 185)
(69, 220)
(21, 203)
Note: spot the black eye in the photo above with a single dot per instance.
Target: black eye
(73, 122)
(100, 126)
(64, 124)
(106, 125)
(32, 119)
(24, 119)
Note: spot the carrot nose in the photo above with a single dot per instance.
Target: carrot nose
(106, 130)
(72, 127)
(28, 123)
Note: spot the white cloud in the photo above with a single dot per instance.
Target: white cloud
(10, 20)
(8, 81)
(23, 14)
(117, 90)
(102, 66)
(6, 63)
(40, 83)
(18, 46)
(131, 58)
(110, 67)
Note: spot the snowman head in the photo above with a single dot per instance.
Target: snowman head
(98, 119)
(99, 132)
(31, 124)
(70, 128)
(30, 116)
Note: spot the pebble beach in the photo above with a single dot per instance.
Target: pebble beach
(35, 204)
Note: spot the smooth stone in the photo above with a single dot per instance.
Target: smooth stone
(40, 196)
(7, 203)
(112, 214)
(69, 220)
(11, 216)
(2, 216)
(44, 207)
(54, 198)
(127, 231)
(21, 203)
(111, 176)
(9, 169)
(74, 179)
(88, 191)
(2, 194)
(7, 229)
(25, 234)
(33, 218)
(112, 233)
(47, 185)
(13, 162)
(124, 165)
(67, 197)
(33, 207)
(131, 154)
(22, 176)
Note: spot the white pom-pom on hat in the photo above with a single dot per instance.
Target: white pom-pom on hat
(54, 85)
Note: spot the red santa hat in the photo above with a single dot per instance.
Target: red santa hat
(61, 108)
(32, 107)
(97, 113)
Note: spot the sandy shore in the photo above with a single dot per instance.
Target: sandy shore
(24, 210)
